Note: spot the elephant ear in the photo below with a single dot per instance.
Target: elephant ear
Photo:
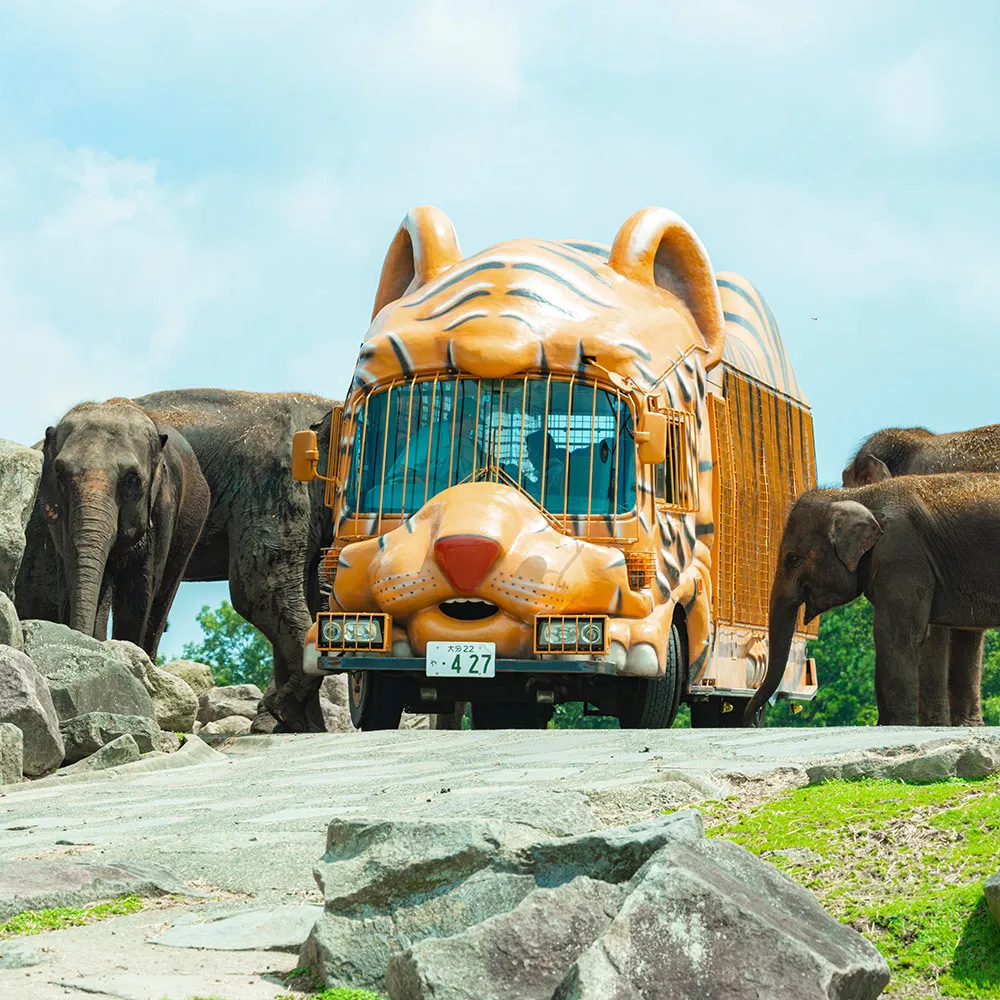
(868, 469)
(853, 531)
(656, 247)
(425, 245)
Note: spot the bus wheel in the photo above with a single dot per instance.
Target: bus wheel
(723, 713)
(374, 700)
(654, 704)
(510, 715)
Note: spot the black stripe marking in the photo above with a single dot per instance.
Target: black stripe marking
(343, 563)
(478, 294)
(381, 543)
(705, 529)
(594, 248)
(690, 604)
(620, 561)
(465, 319)
(759, 337)
(645, 372)
(636, 349)
(705, 466)
(400, 353)
(488, 265)
(579, 263)
(696, 666)
(409, 525)
(688, 533)
(527, 293)
(619, 600)
(450, 357)
(685, 391)
(555, 276)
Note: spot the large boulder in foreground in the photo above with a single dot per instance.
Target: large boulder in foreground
(992, 891)
(10, 626)
(710, 920)
(86, 734)
(222, 702)
(390, 884)
(20, 471)
(122, 750)
(26, 703)
(83, 674)
(174, 703)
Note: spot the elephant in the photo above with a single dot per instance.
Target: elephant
(949, 658)
(920, 548)
(124, 502)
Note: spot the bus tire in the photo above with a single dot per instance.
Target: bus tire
(510, 715)
(655, 701)
(374, 700)
(711, 714)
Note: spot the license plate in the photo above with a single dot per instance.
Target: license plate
(461, 659)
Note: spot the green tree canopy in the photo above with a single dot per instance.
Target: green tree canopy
(236, 651)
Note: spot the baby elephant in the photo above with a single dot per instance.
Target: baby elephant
(125, 502)
(922, 549)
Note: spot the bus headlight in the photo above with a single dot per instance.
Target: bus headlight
(340, 631)
(571, 634)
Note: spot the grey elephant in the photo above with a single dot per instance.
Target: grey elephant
(949, 658)
(920, 548)
(124, 503)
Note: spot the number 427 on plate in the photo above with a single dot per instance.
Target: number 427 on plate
(461, 659)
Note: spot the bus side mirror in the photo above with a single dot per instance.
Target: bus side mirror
(652, 438)
(305, 456)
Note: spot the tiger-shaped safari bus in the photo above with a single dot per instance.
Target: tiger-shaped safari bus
(562, 476)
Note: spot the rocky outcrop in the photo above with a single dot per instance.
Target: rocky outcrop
(232, 725)
(197, 676)
(11, 754)
(708, 919)
(481, 908)
(992, 891)
(86, 734)
(174, 702)
(222, 702)
(26, 703)
(20, 471)
(83, 674)
(10, 626)
(254, 928)
(122, 750)
(390, 884)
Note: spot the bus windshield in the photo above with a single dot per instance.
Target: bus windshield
(566, 444)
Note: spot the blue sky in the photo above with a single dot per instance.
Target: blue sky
(201, 193)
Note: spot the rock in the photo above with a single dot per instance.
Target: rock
(26, 703)
(11, 754)
(122, 750)
(973, 756)
(707, 919)
(560, 814)
(86, 734)
(232, 725)
(263, 724)
(414, 720)
(524, 953)
(336, 718)
(20, 471)
(273, 928)
(222, 702)
(83, 674)
(50, 883)
(174, 702)
(389, 884)
(197, 676)
(334, 689)
(21, 955)
(992, 892)
(196, 728)
(10, 626)
(169, 742)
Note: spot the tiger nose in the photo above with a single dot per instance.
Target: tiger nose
(466, 559)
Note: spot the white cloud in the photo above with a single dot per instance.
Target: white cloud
(910, 99)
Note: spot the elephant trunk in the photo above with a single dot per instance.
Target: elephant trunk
(93, 531)
(781, 628)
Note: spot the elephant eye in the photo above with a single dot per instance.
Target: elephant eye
(793, 560)
(131, 486)
(50, 511)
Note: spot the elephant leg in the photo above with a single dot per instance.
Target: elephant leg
(274, 601)
(932, 669)
(133, 597)
(170, 580)
(899, 631)
(965, 667)
(104, 603)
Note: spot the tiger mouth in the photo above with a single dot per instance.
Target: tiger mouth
(468, 609)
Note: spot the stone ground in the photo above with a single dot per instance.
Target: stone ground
(250, 819)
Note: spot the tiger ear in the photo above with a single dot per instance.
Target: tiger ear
(424, 246)
(657, 247)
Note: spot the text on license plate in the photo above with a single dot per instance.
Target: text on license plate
(461, 659)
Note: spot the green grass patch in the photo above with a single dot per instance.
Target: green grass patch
(904, 864)
(39, 921)
(339, 993)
